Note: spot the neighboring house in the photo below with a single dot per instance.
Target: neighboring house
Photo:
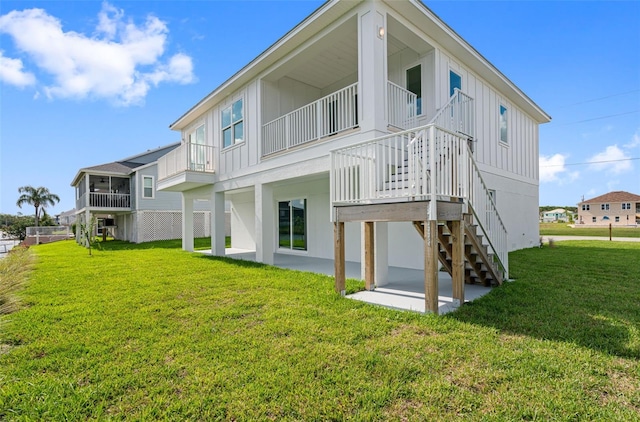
(122, 196)
(66, 218)
(559, 214)
(617, 208)
(378, 115)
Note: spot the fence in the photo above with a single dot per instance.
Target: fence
(47, 234)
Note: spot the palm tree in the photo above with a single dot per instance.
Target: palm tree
(40, 198)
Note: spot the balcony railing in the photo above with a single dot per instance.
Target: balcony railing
(402, 106)
(327, 116)
(109, 200)
(187, 157)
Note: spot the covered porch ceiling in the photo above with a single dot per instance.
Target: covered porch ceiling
(334, 57)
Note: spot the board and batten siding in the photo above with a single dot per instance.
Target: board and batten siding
(519, 155)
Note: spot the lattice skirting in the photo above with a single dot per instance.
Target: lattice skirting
(165, 225)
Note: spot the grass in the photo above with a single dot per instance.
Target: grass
(562, 229)
(14, 270)
(152, 332)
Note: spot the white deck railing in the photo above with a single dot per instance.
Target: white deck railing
(427, 163)
(457, 115)
(327, 116)
(109, 200)
(402, 106)
(399, 166)
(187, 157)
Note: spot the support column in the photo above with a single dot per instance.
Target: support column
(372, 69)
(187, 222)
(457, 264)
(265, 223)
(87, 226)
(382, 253)
(217, 224)
(431, 266)
(369, 256)
(338, 256)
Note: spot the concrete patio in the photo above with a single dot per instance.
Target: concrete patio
(404, 291)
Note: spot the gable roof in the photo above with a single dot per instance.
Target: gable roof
(414, 10)
(613, 197)
(127, 165)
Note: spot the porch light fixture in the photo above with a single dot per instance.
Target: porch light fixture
(381, 32)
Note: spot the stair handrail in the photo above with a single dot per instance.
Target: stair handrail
(416, 161)
(453, 111)
(496, 237)
(446, 118)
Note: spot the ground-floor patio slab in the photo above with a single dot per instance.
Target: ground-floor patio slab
(404, 290)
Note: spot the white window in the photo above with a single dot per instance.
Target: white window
(585, 207)
(626, 206)
(232, 122)
(503, 124)
(604, 207)
(593, 219)
(147, 187)
(617, 219)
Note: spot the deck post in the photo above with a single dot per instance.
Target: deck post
(457, 264)
(217, 224)
(431, 267)
(187, 222)
(369, 256)
(338, 250)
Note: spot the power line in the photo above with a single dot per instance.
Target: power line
(601, 117)
(601, 98)
(592, 162)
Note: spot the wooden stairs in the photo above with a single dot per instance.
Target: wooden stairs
(479, 265)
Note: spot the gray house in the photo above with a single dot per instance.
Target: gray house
(122, 196)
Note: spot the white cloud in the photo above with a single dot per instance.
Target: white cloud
(11, 72)
(120, 63)
(553, 169)
(635, 141)
(612, 159)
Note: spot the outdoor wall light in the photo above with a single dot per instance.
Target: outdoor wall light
(381, 32)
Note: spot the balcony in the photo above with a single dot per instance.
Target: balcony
(187, 167)
(106, 201)
(332, 114)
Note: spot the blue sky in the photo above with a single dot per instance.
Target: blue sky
(87, 82)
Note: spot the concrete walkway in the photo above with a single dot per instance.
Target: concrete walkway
(404, 290)
(546, 238)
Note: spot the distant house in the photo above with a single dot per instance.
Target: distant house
(122, 196)
(557, 215)
(617, 208)
(66, 218)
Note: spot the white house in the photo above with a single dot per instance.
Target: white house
(122, 196)
(367, 121)
(558, 214)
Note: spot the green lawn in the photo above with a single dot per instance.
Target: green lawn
(151, 332)
(562, 229)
